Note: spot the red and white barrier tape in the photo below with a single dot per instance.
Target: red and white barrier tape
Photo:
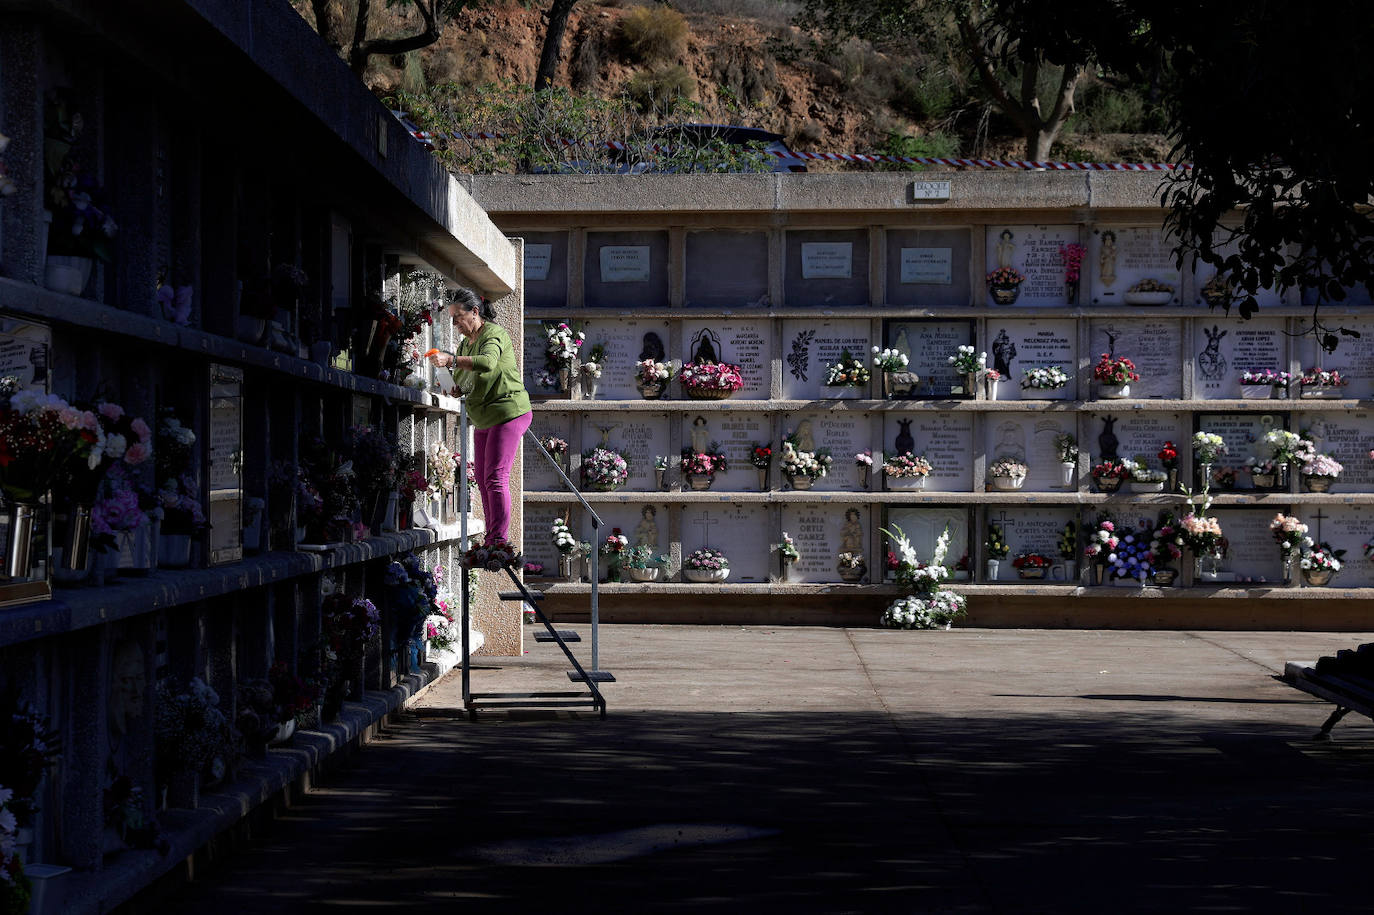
(427, 139)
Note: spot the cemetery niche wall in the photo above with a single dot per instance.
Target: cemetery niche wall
(817, 290)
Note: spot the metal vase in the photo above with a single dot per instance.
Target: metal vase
(19, 549)
(77, 541)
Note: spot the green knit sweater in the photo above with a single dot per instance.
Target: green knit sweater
(495, 393)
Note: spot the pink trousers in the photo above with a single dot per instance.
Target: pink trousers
(495, 452)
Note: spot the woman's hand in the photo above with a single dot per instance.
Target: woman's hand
(439, 358)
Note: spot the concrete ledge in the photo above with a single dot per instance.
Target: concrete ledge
(260, 782)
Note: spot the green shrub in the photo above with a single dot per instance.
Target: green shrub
(657, 89)
(654, 33)
(929, 145)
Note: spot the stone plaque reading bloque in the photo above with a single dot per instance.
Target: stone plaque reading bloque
(626, 342)
(741, 343)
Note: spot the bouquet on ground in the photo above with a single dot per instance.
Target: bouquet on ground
(493, 557)
(1045, 378)
(1115, 372)
(705, 463)
(604, 468)
(1208, 446)
(930, 605)
(711, 377)
(813, 464)
(889, 360)
(905, 466)
(1291, 536)
(847, 372)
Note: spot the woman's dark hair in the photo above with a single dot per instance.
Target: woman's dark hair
(468, 300)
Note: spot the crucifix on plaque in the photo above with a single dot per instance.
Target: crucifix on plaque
(1319, 518)
(606, 434)
(1002, 521)
(706, 522)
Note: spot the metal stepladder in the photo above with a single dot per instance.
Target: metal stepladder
(591, 696)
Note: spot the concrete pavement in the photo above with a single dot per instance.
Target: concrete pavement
(847, 770)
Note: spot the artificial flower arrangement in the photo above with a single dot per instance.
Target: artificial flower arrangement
(117, 510)
(562, 537)
(1116, 372)
(706, 463)
(334, 480)
(1201, 533)
(1320, 465)
(787, 548)
(1285, 446)
(1321, 558)
(613, 548)
(604, 469)
(373, 456)
(555, 445)
(1102, 540)
(1071, 257)
(968, 361)
(1140, 471)
(863, 459)
(1044, 378)
(561, 347)
(443, 629)
(1225, 477)
(649, 372)
(643, 557)
(1031, 565)
(905, 465)
(1167, 541)
(596, 358)
(1262, 467)
(42, 440)
(443, 469)
(1151, 285)
(711, 379)
(930, 605)
(760, 455)
(120, 442)
(847, 372)
(1133, 556)
(1110, 470)
(1066, 447)
(1266, 377)
(1208, 446)
(1067, 545)
(889, 360)
(706, 560)
(1291, 535)
(812, 464)
(995, 543)
(1005, 277)
(1317, 377)
(190, 733)
(1168, 456)
(267, 703)
(28, 748)
(494, 556)
(1007, 468)
(853, 561)
(411, 590)
(177, 492)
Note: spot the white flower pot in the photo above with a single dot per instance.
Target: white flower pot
(1147, 487)
(994, 565)
(1007, 484)
(1113, 391)
(1066, 470)
(1147, 298)
(645, 574)
(66, 273)
(705, 576)
(898, 484)
(1256, 391)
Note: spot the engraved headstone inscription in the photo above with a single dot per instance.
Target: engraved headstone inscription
(1032, 251)
(810, 347)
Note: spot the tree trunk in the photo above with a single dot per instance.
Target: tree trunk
(327, 23)
(553, 43)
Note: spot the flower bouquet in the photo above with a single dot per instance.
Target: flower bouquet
(761, 456)
(848, 372)
(1066, 449)
(892, 367)
(930, 606)
(651, 378)
(1007, 473)
(561, 346)
(1109, 475)
(1202, 536)
(706, 565)
(1149, 292)
(1114, 376)
(700, 468)
(1319, 471)
(1143, 479)
(1043, 378)
(1318, 382)
(591, 370)
(710, 380)
(1031, 565)
(1004, 284)
(1207, 447)
(1133, 557)
(851, 567)
(1101, 544)
(1071, 257)
(889, 360)
(1167, 546)
(1291, 536)
(1319, 564)
(863, 462)
(971, 365)
(642, 564)
(1225, 478)
(192, 740)
(1264, 384)
(906, 470)
(995, 549)
(804, 467)
(604, 469)
(493, 557)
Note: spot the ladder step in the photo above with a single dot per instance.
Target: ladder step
(596, 676)
(566, 635)
(516, 595)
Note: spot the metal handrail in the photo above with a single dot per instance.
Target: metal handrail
(596, 561)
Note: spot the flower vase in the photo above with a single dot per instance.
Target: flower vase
(1264, 480)
(565, 566)
(852, 575)
(1312, 483)
(183, 790)
(651, 390)
(1204, 475)
(901, 484)
(1287, 567)
(1066, 470)
(1317, 578)
(19, 549)
(589, 388)
(971, 384)
(863, 476)
(1205, 568)
(1113, 391)
(1005, 295)
(699, 482)
(763, 478)
(1256, 391)
(643, 575)
(564, 379)
(799, 481)
(990, 388)
(658, 478)
(994, 565)
(1164, 578)
(1070, 569)
(174, 551)
(1172, 484)
(1070, 292)
(1099, 572)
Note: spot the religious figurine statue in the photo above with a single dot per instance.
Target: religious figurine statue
(1003, 351)
(1006, 249)
(705, 346)
(852, 534)
(1107, 441)
(1106, 259)
(904, 443)
(646, 532)
(701, 435)
(653, 348)
(128, 684)
(903, 345)
(805, 440)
